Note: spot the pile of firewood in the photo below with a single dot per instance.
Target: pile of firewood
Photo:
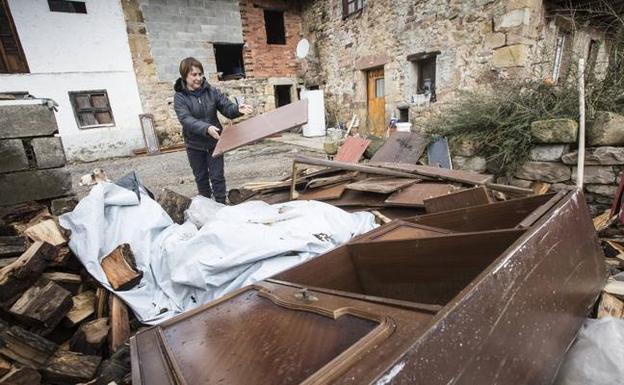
(609, 228)
(57, 324)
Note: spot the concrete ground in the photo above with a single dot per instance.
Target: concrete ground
(268, 160)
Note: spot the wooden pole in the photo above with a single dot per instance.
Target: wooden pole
(581, 134)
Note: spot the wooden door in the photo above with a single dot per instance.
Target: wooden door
(376, 102)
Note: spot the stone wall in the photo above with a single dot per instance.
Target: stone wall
(553, 158)
(476, 41)
(161, 33)
(33, 159)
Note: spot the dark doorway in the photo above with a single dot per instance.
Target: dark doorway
(282, 95)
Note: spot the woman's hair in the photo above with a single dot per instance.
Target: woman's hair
(186, 65)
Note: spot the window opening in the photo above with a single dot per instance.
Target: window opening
(67, 6)
(229, 60)
(274, 26)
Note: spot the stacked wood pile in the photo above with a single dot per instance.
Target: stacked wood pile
(611, 303)
(391, 185)
(57, 324)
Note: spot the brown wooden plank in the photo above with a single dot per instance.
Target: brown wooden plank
(493, 216)
(119, 323)
(331, 180)
(352, 149)
(402, 147)
(457, 200)
(427, 270)
(261, 126)
(19, 275)
(43, 305)
(416, 194)
(5, 367)
(381, 185)
(467, 177)
(120, 268)
(323, 193)
(351, 167)
(359, 198)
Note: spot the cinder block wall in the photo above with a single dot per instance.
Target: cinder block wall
(32, 165)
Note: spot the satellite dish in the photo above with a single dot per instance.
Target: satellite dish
(303, 47)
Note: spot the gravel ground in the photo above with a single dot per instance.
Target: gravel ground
(264, 161)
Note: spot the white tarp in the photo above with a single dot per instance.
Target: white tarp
(185, 266)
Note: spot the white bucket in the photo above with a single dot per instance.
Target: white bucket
(404, 127)
(316, 113)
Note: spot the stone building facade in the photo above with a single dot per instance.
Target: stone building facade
(229, 37)
(456, 44)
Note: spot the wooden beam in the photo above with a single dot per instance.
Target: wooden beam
(351, 167)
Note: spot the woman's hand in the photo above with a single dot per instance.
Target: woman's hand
(213, 131)
(245, 109)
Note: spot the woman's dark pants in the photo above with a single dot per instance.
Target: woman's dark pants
(208, 172)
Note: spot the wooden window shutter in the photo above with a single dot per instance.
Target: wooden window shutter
(12, 59)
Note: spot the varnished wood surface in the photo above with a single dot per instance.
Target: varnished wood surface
(416, 194)
(259, 127)
(458, 199)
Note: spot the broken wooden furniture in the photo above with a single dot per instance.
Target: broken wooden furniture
(492, 293)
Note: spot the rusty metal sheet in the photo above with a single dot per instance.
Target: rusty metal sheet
(381, 185)
(457, 200)
(402, 147)
(416, 194)
(261, 126)
(352, 149)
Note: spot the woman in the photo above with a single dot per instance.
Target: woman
(196, 103)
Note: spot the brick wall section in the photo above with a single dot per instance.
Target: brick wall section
(264, 60)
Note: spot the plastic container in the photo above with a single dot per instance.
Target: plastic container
(316, 113)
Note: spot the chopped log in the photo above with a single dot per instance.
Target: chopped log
(62, 258)
(12, 246)
(90, 337)
(174, 204)
(101, 302)
(43, 305)
(610, 306)
(236, 196)
(120, 268)
(21, 376)
(83, 307)
(46, 231)
(19, 275)
(25, 347)
(119, 322)
(66, 367)
(5, 367)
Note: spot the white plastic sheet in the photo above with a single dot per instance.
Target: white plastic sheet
(597, 356)
(185, 266)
